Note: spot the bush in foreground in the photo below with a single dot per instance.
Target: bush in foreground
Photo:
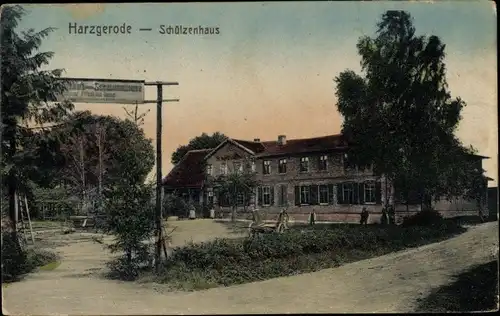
(424, 218)
(17, 262)
(226, 262)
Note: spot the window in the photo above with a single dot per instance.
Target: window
(209, 170)
(348, 193)
(240, 199)
(253, 166)
(345, 161)
(223, 168)
(305, 195)
(323, 194)
(210, 198)
(369, 192)
(238, 167)
(283, 198)
(282, 166)
(304, 164)
(267, 167)
(266, 196)
(323, 163)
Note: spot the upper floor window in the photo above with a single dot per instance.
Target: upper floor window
(238, 167)
(254, 168)
(304, 164)
(267, 167)
(282, 166)
(223, 168)
(323, 162)
(209, 170)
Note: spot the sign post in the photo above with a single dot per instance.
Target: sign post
(126, 92)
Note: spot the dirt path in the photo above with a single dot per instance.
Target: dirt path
(390, 283)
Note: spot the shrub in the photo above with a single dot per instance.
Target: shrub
(424, 218)
(234, 261)
(13, 257)
(129, 217)
(17, 261)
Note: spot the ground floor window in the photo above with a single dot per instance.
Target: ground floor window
(266, 196)
(323, 194)
(369, 192)
(305, 195)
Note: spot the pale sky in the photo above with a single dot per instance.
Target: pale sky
(270, 70)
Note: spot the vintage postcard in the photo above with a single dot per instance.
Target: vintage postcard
(253, 157)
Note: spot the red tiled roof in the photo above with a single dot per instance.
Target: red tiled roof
(305, 145)
(256, 147)
(189, 172)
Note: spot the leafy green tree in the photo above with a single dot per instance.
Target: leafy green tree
(204, 141)
(400, 116)
(236, 186)
(129, 213)
(27, 92)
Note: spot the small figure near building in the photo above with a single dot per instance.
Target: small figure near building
(364, 216)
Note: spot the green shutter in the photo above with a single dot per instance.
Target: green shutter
(297, 195)
(314, 195)
(361, 187)
(355, 195)
(331, 194)
(272, 194)
(340, 200)
(259, 198)
(378, 193)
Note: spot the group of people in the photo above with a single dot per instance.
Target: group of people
(388, 216)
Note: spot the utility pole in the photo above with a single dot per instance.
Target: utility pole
(158, 211)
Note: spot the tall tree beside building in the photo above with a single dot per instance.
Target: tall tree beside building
(204, 141)
(400, 115)
(27, 92)
(235, 188)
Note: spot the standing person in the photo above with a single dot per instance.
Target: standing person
(364, 216)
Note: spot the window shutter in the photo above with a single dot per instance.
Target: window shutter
(378, 193)
(331, 194)
(271, 191)
(314, 194)
(355, 193)
(361, 187)
(340, 199)
(297, 195)
(260, 196)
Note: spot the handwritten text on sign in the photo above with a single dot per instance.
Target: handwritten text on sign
(103, 91)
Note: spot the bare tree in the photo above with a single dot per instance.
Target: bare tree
(134, 115)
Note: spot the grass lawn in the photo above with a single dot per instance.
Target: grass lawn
(300, 250)
(474, 290)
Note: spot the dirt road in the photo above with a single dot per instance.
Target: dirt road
(390, 283)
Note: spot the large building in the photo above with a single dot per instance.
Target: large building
(300, 174)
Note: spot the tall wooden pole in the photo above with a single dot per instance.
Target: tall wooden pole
(158, 217)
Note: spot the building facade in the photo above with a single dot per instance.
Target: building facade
(301, 175)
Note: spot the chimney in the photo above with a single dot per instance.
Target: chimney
(281, 140)
(256, 139)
